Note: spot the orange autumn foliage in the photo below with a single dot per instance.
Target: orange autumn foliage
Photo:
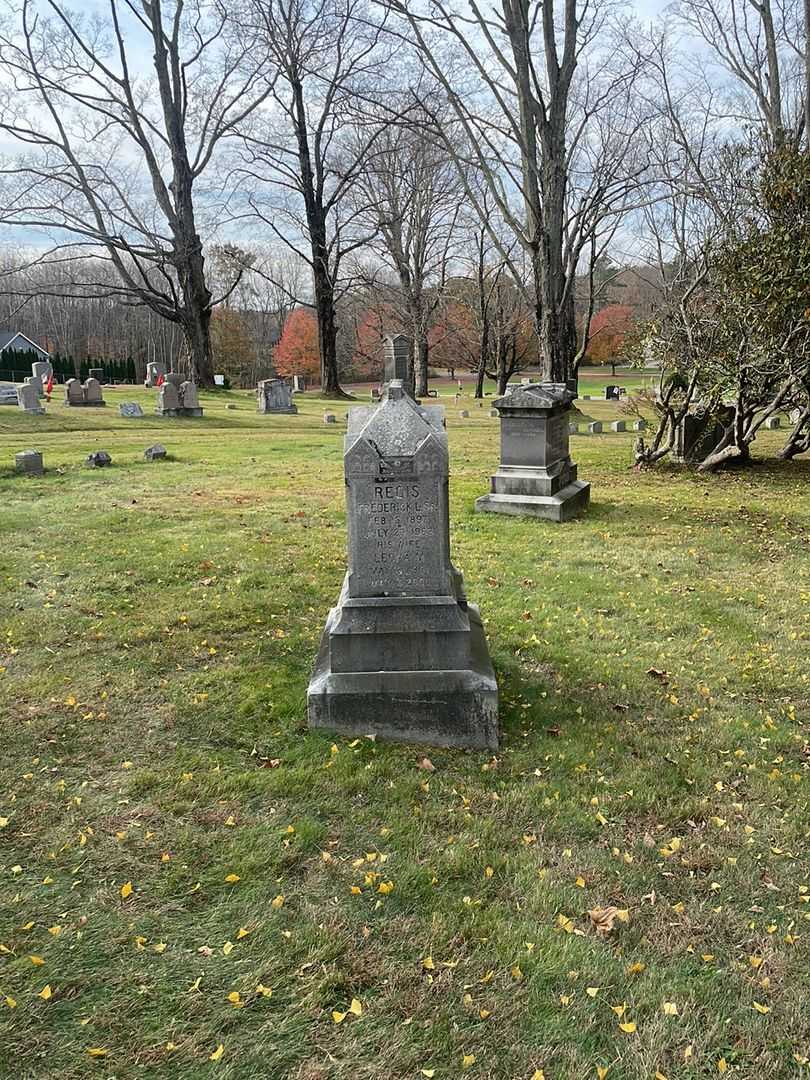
(297, 349)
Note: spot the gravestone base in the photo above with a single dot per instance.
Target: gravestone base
(85, 404)
(564, 505)
(383, 669)
(181, 411)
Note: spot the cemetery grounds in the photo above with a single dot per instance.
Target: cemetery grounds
(192, 885)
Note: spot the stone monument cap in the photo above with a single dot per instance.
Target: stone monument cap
(538, 395)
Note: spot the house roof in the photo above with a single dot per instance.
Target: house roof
(7, 337)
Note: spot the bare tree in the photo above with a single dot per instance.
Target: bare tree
(298, 164)
(412, 196)
(114, 155)
(542, 99)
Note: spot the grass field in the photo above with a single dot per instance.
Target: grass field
(192, 885)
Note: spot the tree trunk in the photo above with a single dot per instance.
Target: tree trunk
(327, 328)
(197, 316)
(421, 352)
(799, 438)
(480, 376)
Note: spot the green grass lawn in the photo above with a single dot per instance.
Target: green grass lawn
(192, 885)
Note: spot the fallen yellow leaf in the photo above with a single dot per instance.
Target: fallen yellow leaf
(232, 878)
(277, 902)
(670, 1008)
(217, 1054)
(355, 1008)
(45, 993)
(126, 890)
(629, 1027)
(467, 1061)
(762, 1008)
(97, 1051)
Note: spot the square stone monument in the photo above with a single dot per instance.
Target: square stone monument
(397, 354)
(536, 476)
(403, 654)
(273, 396)
(29, 462)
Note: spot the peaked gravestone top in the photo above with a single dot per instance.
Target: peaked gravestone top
(396, 466)
(397, 351)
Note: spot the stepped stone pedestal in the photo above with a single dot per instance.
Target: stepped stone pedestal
(403, 655)
(536, 476)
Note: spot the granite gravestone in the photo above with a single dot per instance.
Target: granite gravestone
(8, 394)
(73, 392)
(771, 423)
(130, 409)
(156, 452)
(99, 459)
(29, 462)
(273, 396)
(174, 378)
(28, 399)
(88, 394)
(36, 382)
(177, 401)
(92, 392)
(42, 370)
(299, 384)
(619, 425)
(595, 428)
(403, 655)
(698, 434)
(536, 476)
(168, 401)
(189, 400)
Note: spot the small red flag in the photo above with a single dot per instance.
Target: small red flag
(49, 387)
(160, 380)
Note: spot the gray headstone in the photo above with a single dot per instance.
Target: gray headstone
(536, 476)
(329, 418)
(74, 395)
(573, 429)
(612, 393)
(273, 396)
(188, 395)
(618, 425)
(595, 428)
(403, 655)
(92, 392)
(230, 405)
(8, 394)
(130, 409)
(175, 379)
(98, 459)
(397, 352)
(30, 462)
(168, 401)
(155, 453)
(35, 381)
(697, 434)
(494, 412)
(96, 373)
(42, 369)
(772, 422)
(639, 425)
(28, 399)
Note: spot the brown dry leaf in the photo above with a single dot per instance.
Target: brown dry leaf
(426, 764)
(603, 919)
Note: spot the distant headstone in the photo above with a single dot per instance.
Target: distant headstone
(698, 433)
(375, 393)
(273, 396)
(36, 382)
(329, 418)
(403, 654)
(92, 392)
(397, 353)
(494, 412)
(299, 384)
(230, 405)
(168, 401)
(174, 378)
(74, 394)
(586, 397)
(219, 380)
(28, 399)
(130, 409)
(96, 373)
(618, 425)
(612, 392)
(154, 371)
(772, 422)
(189, 399)
(536, 476)
(98, 459)
(595, 428)
(155, 453)
(29, 462)
(463, 413)
(639, 425)
(88, 395)
(42, 369)
(573, 429)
